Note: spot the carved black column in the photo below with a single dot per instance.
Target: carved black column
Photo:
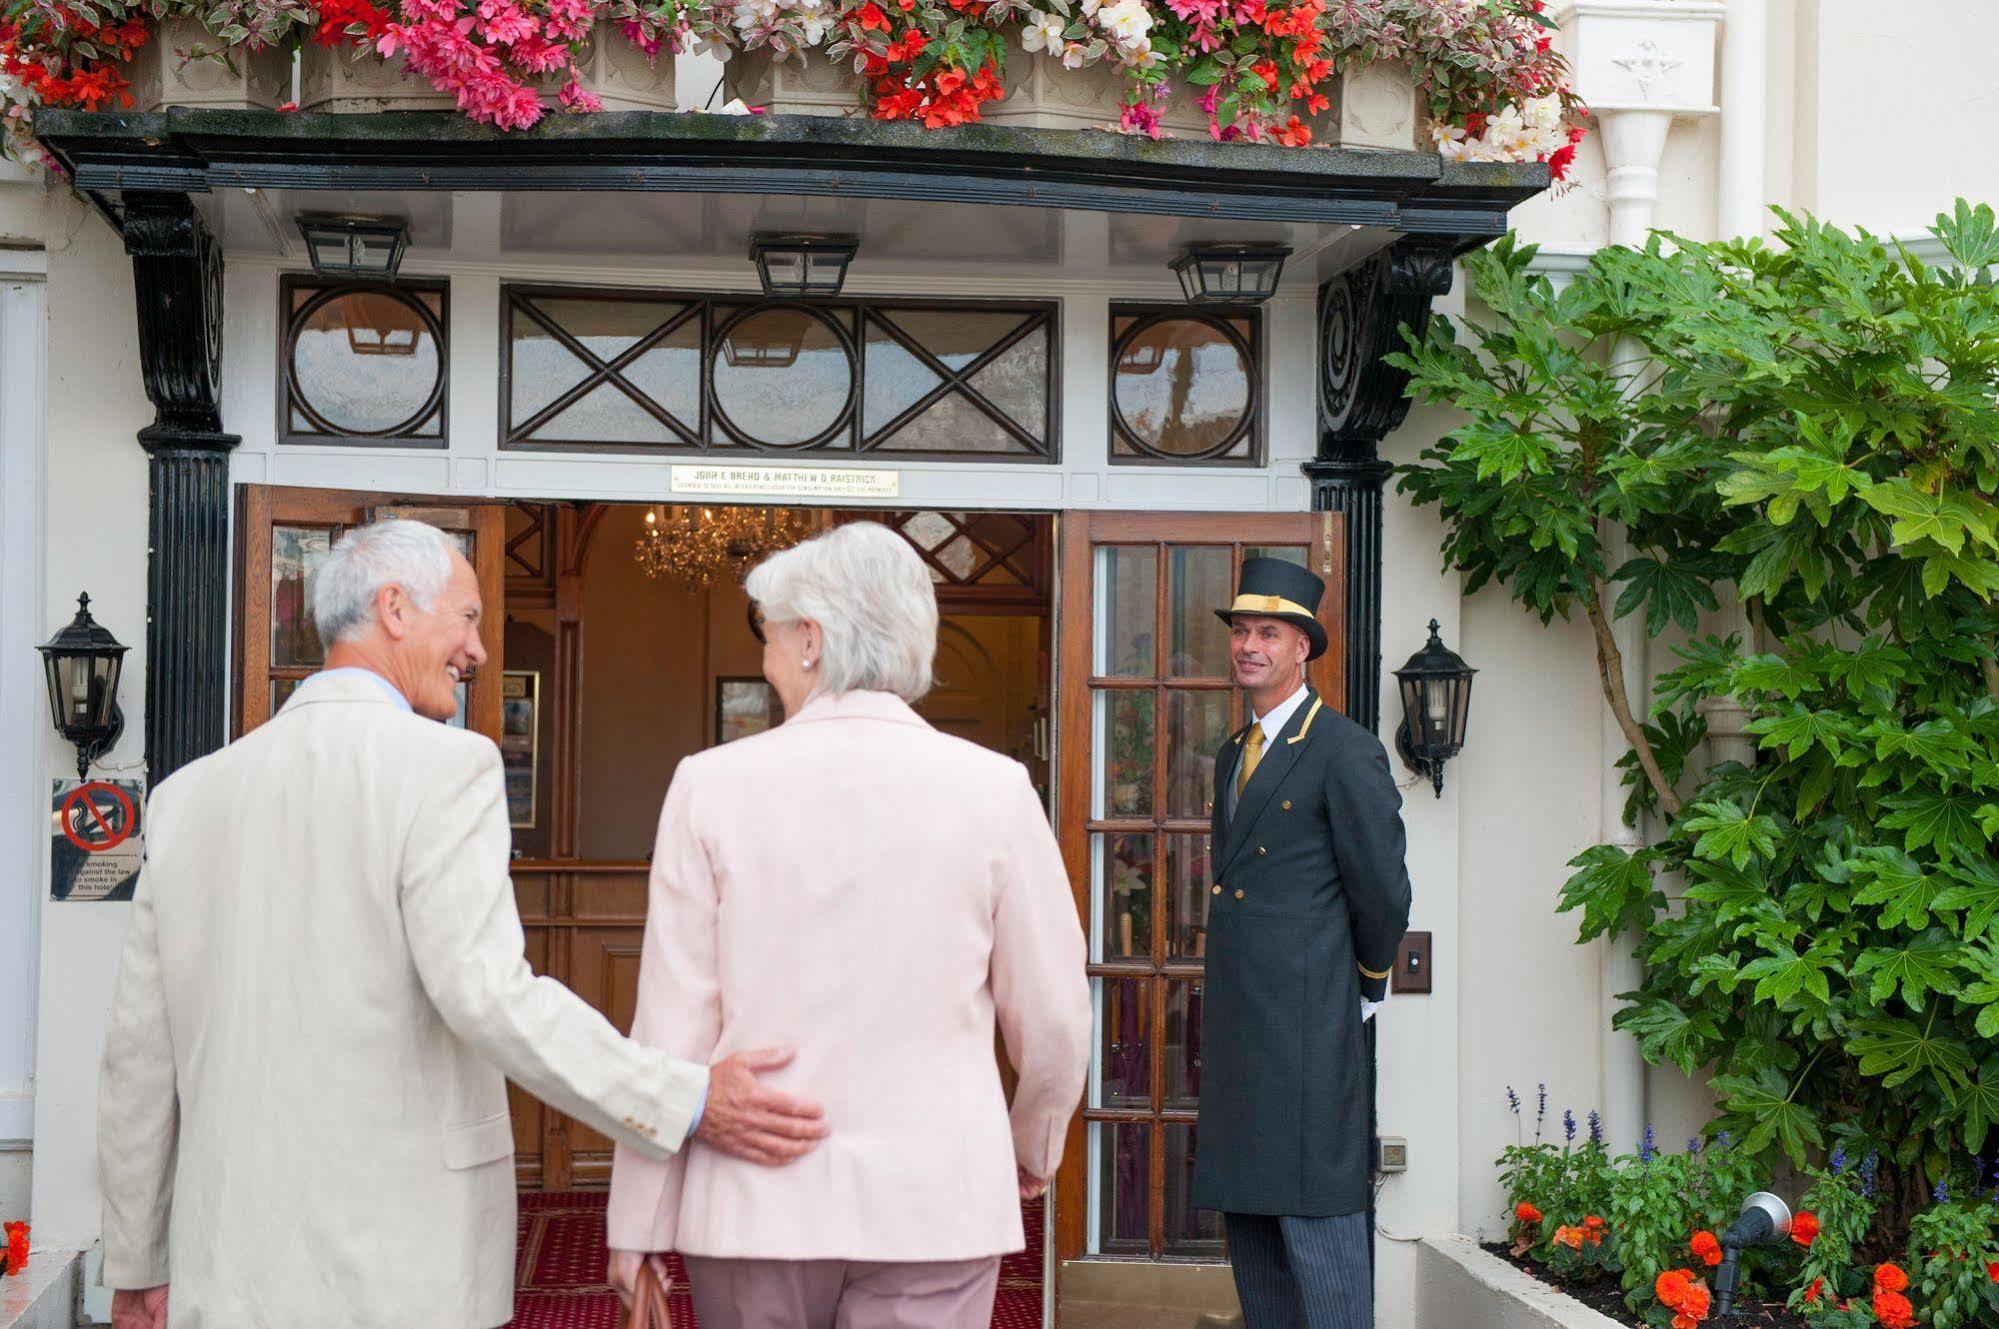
(177, 275)
(1361, 314)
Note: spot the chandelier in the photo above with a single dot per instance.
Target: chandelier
(699, 546)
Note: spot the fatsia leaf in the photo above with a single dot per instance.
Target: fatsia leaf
(1780, 976)
(1906, 890)
(1897, 1051)
(1767, 1106)
(1977, 1106)
(1613, 887)
(1728, 832)
(1673, 593)
(1928, 963)
(1668, 1034)
(1976, 892)
(1948, 821)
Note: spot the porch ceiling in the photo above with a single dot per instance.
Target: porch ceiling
(698, 184)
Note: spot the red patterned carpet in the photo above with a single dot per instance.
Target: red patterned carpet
(559, 1269)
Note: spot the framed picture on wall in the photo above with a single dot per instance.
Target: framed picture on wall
(520, 714)
(744, 706)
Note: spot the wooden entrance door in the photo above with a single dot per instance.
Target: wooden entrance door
(1145, 701)
(282, 535)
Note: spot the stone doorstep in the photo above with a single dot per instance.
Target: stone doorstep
(42, 1296)
(1460, 1286)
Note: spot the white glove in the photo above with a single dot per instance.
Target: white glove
(1368, 1008)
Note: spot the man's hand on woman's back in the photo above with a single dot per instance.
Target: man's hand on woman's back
(755, 1123)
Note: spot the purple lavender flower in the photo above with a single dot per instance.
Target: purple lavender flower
(1693, 1144)
(1595, 1127)
(1870, 1170)
(1838, 1159)
(1942, 1193)
(1723, 1139)
(1542, 1110)
(1648, 1150)
(1512, 1100)
(1568, 1125)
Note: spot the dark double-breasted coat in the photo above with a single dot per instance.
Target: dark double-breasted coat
(1310, 896)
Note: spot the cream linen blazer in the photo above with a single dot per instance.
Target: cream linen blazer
(873, 893)
(302, 1116)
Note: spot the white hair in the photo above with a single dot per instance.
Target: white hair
(397, 552)
(873, 601)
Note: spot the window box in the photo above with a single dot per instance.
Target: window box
(613, 68)
(162, 75)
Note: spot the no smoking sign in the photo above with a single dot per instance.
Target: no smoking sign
(95, 846)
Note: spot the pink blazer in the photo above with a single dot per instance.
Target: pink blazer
(875, 894)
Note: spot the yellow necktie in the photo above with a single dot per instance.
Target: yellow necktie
(1252, 753)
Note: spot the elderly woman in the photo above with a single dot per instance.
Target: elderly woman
(872, 894)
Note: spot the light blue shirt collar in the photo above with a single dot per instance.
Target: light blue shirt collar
(356, 671)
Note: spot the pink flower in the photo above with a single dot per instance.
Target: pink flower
(636, 34)
(504, 22)
(574, 98)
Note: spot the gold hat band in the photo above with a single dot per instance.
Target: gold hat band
(1269, 604)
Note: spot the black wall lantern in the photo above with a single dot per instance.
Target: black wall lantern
(1230, 274)
(1436, 699)
(354, 248)
(802, 265)
(83, 662)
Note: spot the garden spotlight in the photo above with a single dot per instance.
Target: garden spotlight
(1765, 1221)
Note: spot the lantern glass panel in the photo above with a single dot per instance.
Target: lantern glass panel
(83, 689)
(827, 270)
(330, 252)
(375, 252)
(1460, 712)
(1412, 707)
(784, 270)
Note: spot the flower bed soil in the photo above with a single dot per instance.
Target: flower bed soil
(1607, 1298)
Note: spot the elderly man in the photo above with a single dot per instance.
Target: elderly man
(1310, 897)
(303, 1110)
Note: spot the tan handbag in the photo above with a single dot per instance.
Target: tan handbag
(651, 1297)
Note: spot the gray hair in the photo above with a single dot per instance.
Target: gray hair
(873, 601)
(397, 552)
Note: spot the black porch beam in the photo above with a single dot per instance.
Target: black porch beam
(199, 150)
(177, 275)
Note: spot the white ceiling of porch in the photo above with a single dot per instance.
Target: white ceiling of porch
(711, 231)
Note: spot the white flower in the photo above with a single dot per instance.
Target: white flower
(1043, 32)
(1126, 21)
(1074, 56)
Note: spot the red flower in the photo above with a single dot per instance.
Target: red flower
(17, 1246)
(1893, 1310)
(1992, 1270)
(870, 16)
(1672, 1287)
(1706, 1248)
(1526, 1212)
(1805, 1227)
(1815, 1291)
(1889, 1278)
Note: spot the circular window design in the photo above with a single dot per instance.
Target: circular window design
(367, 363)
(1183, 387)
(782, 376)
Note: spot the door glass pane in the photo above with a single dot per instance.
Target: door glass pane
(1187, 896)
(1189, 1231)
(281, 692)
(1124, 880)
(1196, 724)
(296, 553)
(1182, 1044)
(1127, 594)
(1127, 1043)
(1289, 553)
(1197, 585)
(1125, 737)
(1124, 1165)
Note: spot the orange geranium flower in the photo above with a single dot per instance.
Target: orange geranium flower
(15, 1257)
(1697, 1304)
(1889, 1278)
(1593, 1230)
(1671, 1287)
(1706, 1248)
(1526, 1212)
(1893, 1310)
(1805, 1227)
(1572, 1237)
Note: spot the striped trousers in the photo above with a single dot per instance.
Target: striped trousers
(1301, 1273)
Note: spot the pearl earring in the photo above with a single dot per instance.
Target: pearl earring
(806, 662)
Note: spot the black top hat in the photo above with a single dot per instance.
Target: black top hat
(1273, 588)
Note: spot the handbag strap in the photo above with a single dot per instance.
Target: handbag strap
(651, 1296)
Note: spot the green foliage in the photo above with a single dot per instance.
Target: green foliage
(1811, 430)
(1951, 1245)
(1840, 1201)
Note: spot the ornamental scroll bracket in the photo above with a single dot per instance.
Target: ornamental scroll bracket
(1361, 314)
(177, 284)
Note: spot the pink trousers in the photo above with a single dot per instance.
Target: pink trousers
(842, 1294)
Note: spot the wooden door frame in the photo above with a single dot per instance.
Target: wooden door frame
(259, 506)
(1078, 531)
